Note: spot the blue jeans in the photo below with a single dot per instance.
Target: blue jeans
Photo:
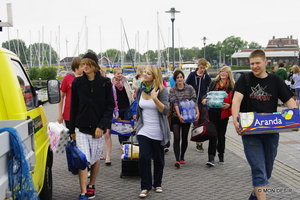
(150, 149)
(297, 90)
(260, 151)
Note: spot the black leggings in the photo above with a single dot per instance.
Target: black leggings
(176, 127)
(218, 142)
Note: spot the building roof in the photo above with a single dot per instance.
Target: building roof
(288, 42)
(67, 60)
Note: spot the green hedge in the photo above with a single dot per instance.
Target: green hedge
(34, 73)
(44, 73)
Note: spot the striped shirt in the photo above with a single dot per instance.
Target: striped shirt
(176, 95)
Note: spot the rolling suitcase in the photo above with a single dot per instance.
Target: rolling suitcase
(130, 164)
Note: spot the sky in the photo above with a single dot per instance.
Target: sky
(61, 23)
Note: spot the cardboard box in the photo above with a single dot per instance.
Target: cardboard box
(255, 123)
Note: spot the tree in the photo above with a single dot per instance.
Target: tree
(231, 45)
(130, 55)
(254, 45)
(18, 47)
(150, 56)
(39, 54)
(211, 53)
(190, 54)
(112, 54)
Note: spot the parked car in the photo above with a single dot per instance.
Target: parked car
(238, 73)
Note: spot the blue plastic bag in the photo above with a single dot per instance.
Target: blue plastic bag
(122, 127)
(75, 158)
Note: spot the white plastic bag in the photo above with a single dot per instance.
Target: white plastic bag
(58, 136)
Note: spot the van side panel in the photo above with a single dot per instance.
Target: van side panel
(3, 113)
(41, 145)
(12, 106)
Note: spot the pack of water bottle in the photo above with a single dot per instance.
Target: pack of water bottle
(187, 110)
(215, 99)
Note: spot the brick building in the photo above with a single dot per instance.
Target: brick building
(278, 50)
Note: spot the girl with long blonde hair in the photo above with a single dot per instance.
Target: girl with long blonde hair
(153, 132)
(220, 116)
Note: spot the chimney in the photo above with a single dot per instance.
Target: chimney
(273, 37)
(291, 37)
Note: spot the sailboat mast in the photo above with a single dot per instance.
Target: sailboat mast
(18, 44)
(8, 38)
(100, 44)
(179, 45)
(39, 50)
(129, 50)
(168, 49)
(147, 55)
(78, 39)
(50, 52)
(59, 45)
(158, 43)
(30, 49)
(121, 54)
(42, 52)
(86, 34)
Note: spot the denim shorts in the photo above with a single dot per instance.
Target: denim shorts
(260, 151)
(297, 90)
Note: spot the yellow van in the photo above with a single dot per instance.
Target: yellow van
(19, 101)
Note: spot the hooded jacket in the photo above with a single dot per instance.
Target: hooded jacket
(197, 82)
(91, 104)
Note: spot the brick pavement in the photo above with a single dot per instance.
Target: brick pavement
(193, 181)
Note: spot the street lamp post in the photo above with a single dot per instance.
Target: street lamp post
(204, 42)
(172, 11)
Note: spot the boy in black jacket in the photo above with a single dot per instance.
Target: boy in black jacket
(91, 112)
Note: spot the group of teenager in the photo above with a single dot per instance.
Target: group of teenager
(94, 100)
(291, 77)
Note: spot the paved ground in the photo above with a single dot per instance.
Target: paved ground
(194, 180)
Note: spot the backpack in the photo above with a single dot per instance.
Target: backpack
(75, 158)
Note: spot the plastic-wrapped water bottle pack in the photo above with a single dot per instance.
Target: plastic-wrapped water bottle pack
(215, 99)
(187, 110)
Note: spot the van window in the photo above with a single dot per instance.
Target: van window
(24, 84)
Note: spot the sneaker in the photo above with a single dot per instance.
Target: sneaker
(182, 162)
(158, 189)
(90, 191)
(252, 196)
(221, 159)
(144, 193)
(199, 147)
(108, 163)
(210, 163)
(177, 164)
(82, 197)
